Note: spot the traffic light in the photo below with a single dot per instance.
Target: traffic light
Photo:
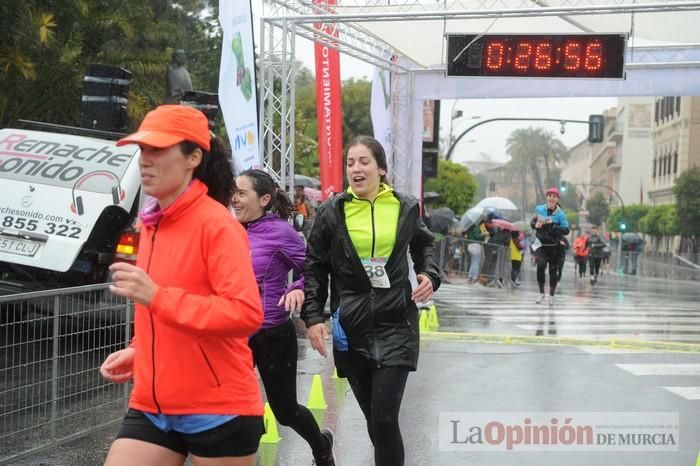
(596, 123)
(563, 186)
(623, 226)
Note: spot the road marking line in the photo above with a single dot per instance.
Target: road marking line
(606, 350)
(595, 318)
(490, 306)
(612, 342)
(661, 369)
(689, 393)
(638, 328)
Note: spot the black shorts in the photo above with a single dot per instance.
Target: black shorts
(238, 437)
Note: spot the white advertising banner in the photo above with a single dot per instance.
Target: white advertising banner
(380, 109)
(237, 93)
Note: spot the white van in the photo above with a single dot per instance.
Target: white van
(66, 201)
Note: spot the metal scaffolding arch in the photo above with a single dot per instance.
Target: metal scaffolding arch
(284, 20)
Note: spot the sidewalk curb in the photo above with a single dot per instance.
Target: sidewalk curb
(619, 343)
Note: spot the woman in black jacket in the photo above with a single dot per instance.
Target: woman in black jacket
(360, 239)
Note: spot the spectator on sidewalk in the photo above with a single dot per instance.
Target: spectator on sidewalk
(517, 248)
(302, 205)
(476, 236)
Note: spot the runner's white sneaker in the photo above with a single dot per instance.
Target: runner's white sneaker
(540, 300)
(550, 301)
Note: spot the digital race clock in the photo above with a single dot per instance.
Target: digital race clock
(537, 55)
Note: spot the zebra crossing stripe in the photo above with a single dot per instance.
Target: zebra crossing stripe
(592, 326)
(689, 393)
(661, 369)
(612, 342)
(587, 306)
(564, 318)
(607, 350)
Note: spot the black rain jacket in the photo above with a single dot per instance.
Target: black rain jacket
(381, 324)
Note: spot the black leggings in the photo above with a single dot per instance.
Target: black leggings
(515, 269)
(548, 255)
(379, 393)
(275, 353)
(595, 266)
(581, 261)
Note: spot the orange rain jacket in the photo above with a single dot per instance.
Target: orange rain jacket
(192, 354)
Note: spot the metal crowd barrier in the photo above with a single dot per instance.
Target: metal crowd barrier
(52, 344)
(454, 258)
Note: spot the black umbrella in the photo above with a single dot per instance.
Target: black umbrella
(307, 182)
(441, 220)
(631, 238)
(431, 196)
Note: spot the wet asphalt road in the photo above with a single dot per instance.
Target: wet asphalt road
(471, 377)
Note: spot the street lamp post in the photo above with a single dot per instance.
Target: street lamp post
(563, 122)
(455, 114)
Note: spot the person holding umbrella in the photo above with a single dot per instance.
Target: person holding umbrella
(550, 226)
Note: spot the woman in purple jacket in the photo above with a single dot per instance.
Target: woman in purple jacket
(276, 248)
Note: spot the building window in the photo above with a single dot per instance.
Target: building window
(656, 112)
(675, 162)
(653, 170)
(678, 105)
(662, 109)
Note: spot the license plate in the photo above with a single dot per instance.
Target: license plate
(19, 246)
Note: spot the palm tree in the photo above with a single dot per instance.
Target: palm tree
(532, 150)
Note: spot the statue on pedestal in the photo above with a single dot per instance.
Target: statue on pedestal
(177, 78)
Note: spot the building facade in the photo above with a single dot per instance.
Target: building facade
(676, 144)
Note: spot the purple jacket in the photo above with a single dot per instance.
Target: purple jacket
(276, 248)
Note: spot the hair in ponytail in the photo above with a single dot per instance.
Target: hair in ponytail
(215, 170)
(263, 184)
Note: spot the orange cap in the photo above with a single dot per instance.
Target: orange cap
(168, 125)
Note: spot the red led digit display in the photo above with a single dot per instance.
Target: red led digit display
(546, 56)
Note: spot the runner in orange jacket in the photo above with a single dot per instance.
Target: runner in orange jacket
(197, 302)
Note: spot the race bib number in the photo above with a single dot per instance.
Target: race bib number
(375, 268)
(536, 244)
